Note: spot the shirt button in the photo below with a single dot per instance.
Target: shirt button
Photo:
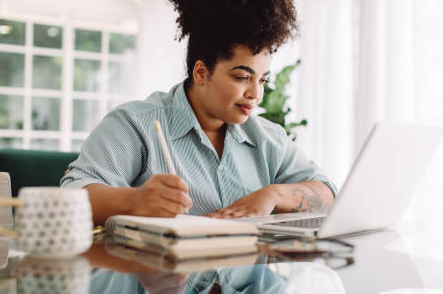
(220, 168)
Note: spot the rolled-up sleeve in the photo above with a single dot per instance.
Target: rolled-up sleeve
(113, 154)
(296, 167)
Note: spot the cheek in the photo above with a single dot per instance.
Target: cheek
(229, 92)
(262, 92)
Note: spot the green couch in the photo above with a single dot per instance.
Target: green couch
(34, 167)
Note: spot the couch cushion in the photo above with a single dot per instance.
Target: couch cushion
(34, 167)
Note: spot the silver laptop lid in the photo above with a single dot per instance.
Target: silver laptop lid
(383, 178)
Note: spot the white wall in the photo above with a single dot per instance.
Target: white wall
(114, 12)
(162, 59)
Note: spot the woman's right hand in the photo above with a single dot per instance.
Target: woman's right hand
(163, 195)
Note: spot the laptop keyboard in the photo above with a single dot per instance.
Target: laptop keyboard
(310, 223)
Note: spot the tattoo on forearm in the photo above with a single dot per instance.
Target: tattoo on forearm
(311, 201)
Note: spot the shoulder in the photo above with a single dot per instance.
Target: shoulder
(154, 105)
(155, 102)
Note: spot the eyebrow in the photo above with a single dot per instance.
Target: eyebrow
(248, 69)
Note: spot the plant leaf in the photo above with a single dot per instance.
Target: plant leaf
(282, 78)
(274, 100)
(277, 118)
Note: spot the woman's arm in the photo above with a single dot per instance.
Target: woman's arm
(309, 196)
(107, 201)
(160, 196)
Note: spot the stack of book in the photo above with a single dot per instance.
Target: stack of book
(184, 243)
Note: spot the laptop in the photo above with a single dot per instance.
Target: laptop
(377, 190)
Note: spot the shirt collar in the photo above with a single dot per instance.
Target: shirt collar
(183, 118)
(239, 134)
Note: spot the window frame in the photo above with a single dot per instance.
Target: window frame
(65, 134)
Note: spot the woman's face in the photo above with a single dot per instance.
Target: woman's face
(235, 86)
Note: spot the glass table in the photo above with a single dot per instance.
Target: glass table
(406, 259)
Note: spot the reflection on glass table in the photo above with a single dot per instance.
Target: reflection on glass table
(130, 270)
(334, 253)
(130, 276)
(108, 267)
(35, 275)
(4, 250)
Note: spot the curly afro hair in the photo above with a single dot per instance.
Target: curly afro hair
(215, 27)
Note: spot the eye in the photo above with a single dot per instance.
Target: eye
(242, 78)
(264, 80)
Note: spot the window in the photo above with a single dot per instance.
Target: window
(57, 80)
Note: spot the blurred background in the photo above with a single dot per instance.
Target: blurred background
(64, 64)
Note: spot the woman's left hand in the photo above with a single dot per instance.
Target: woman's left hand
(261, 202)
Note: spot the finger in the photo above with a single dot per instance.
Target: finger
(177, 196)
(227, 216)
(224, 210)
(227, 210)
(161, 212)
(173, 181)
(235, 212)
(172, 207)
(239, 213)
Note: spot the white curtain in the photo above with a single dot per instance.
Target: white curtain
(365, 60)
(323, 91)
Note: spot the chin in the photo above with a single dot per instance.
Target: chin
(239, 120)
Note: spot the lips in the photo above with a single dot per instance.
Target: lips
(246, 109)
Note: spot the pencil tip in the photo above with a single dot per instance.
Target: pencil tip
(157, 125)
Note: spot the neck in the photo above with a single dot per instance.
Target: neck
(208, 123)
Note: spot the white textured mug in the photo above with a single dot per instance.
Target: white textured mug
(51, 221)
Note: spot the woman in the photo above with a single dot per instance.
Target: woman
(229, 163)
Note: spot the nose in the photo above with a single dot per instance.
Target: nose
(254, 91)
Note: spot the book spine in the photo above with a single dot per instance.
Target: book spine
(158, 240)
(110, 225)
(117, 221)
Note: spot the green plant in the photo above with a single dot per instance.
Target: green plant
(274, 101)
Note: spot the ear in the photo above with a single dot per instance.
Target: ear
(200, 73)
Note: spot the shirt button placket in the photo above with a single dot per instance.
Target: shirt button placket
(220, 181)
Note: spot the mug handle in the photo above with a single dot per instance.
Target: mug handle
(4, 203)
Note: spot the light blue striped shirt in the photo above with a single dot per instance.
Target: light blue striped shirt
(123, 151)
